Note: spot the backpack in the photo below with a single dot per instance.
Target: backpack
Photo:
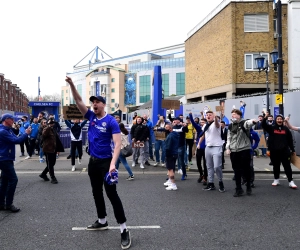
(241, 125)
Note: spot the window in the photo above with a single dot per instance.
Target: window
(250, 64)
(62, 102)
(112, 109)
(112, 100)
(145, 87)
(66, 91)
(112, 90)
(165, 84)
(66, 98)
(112, 79)
(180, 83)
(79, 89)
(256, 23)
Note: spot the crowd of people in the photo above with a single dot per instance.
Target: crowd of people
(212, 138)
(175, 142)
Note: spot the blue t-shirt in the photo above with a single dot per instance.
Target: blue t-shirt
(100, 135)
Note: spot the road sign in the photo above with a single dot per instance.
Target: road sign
(278, 99)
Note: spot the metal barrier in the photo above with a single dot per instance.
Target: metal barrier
(65, 137)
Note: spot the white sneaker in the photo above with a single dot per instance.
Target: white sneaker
(162, 164)
(292, 185)
(28, 157)
(275, 182)
(79, 161)
(141, 165)
(167, 183)
(73, 168)
(172, 187)
(133, 164)
(179, 171)
(156, 163)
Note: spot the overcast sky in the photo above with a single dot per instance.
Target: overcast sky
(47, 38)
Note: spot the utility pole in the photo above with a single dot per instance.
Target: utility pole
(280, 61)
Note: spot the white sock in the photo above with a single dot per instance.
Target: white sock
(102, 221)
(122, 227)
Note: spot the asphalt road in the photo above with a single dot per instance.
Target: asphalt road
(189, 218)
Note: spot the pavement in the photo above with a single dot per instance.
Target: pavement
(55, 216)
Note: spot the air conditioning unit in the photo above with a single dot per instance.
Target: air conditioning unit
(275, 35)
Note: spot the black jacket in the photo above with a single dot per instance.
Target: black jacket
(181, 130)
(139, 132)
(280, 137)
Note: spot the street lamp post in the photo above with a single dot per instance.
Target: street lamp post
(260, 65)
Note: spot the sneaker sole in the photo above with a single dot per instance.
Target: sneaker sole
(171, 189)
(221, 191)
(129, 245)
(97, 229)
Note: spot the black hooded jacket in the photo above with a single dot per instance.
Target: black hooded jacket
(280, 137)
(139, 132)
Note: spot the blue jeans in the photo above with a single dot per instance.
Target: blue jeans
(41, 152)
(159, 144)
(263, 151)
(8, 183)
(181, 156)
(124, 161)
(151, 147)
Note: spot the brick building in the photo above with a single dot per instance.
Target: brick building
(11, 96)
(220, 51)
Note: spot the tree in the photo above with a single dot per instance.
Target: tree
(46, 98)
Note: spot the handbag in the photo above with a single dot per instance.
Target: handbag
(127, 151)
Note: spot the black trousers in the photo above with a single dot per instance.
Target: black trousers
(31, 147)
(199, 155)
(50, 161)
(252, 178)
(223, 158)
(241, 165)
(284, 157)
(26, 142)
(190, 143)
(76, 145)
(97, 170)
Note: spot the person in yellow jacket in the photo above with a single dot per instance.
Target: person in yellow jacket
(189, 138)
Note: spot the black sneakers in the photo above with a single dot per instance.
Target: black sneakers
(44, 177)
(130, 178)
(209, 187)
(238, 192)
(97, 226)
(2, 207)
(200, 179)
(12, 208)
(221, 187)
(249, 191)
(54, 180)
(125, 239)
(69, 157)
(147, 163)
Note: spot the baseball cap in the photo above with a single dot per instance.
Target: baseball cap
(6, 116)
(177, 118)
(99, 98)
(111, 178)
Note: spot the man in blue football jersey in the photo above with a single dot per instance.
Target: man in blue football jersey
(104, 146)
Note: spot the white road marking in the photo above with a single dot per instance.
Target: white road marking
(267, 169)
(115, 228)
